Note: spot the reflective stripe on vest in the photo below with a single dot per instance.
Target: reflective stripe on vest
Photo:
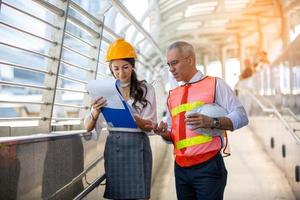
(186, 107)
(193, 141)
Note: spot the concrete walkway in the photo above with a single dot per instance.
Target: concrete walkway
(251, 173)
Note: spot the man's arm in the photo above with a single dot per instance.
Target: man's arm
(162, 130)
(226, 98)
(196, 121)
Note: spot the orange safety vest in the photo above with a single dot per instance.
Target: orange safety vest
(191, 148)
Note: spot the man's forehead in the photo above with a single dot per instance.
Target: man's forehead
(173, 52)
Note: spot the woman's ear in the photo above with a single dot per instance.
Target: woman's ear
(111, 70)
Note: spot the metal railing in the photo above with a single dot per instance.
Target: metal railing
(28, 14)
(115, 35)
(122, 9)
(28, 51)
(28, 33)
(90, 188)
(80, 39)
(78, 177)
(295, 117)
(52, 57)
(274, 111)
(24, 67)
(60, 13)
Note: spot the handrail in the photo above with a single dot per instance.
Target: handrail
(66, 118)
(71, 106)
(23, 67)
(27, 32)
(23, 85)
(51, 7)
(46, 103)
(287, 126)
(57, 119)
(79, 176)
(122, 9)
(115, 35)
(25, 102)
(27, 50)
(76, 66)
(85, 13)
(28, 14)
(78, 53)
(274, 111)
(80, 39)
(72, 79)
(90, 188)
(72, 90)
(263, 107)
(5, 119)
(291, 113)
(83, 26)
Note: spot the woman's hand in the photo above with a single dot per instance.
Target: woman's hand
(144, 124)
(96, 104)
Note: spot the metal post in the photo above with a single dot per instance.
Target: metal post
(95, 53)
(285, 12)
(53, 66)
(260, 36)
(223, 59)
(241, 52)
(205, 63)
(123, 10)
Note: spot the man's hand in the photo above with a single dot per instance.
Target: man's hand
(196, 121)
(162, 130)
(144, 124)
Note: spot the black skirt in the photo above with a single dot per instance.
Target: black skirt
(128, 165)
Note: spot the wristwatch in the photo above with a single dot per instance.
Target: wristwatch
(216, 123)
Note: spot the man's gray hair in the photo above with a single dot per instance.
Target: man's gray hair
(183, 47)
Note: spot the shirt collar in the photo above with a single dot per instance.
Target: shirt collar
(197, 77)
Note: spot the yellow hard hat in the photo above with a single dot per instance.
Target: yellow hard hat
(120, 49)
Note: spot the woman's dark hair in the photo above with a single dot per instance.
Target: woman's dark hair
(138, 89)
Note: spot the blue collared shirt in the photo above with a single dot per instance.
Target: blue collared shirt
(225, 98)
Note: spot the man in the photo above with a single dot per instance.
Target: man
(200, 172)
(248, 71)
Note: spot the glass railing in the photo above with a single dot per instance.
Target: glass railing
(51, 49)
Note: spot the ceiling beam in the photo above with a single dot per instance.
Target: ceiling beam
(220, 6)
(292, 6)
(203, 18)
(179, 7)
(204, 30)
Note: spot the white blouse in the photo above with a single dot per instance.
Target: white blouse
(149, 113)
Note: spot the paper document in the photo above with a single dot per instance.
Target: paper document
(107, 89)
(117, 112)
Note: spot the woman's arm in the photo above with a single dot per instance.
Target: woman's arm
(144, 124)
(148, 117)
(91, 119)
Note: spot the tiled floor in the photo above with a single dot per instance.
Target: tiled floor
(251, 173)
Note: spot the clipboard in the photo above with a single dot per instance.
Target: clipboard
(117, 113)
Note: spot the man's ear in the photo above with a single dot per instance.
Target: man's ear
(190, 60)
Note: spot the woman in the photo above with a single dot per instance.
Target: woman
(127, 155)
